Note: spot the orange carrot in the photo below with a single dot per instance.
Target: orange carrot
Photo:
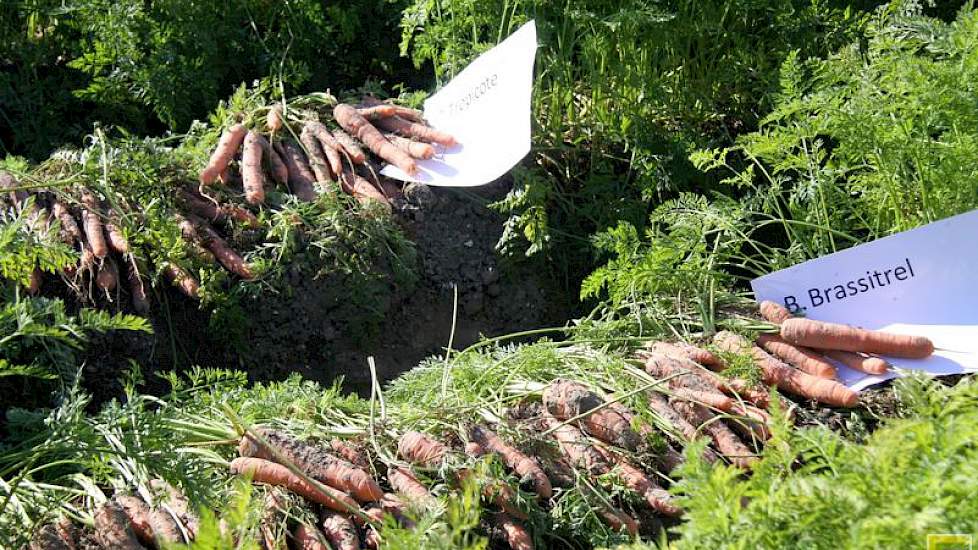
(566, 399)
(113, 529)
(524, 466)
(307, 537)
(725, 440)
(420, 449)
(417, 149)
(352, 122)
(108, 275)
(788, 379)
(858, 361)
(227, 146)
(803, 358)
(301, 178)
(823, 335)
(190, 234)
(315, 462)
(515, 535)
(183, 280)
(774, 312)
(350, 146)
(331, 148)
(377, 111)
(340, 531)
(408, 486)
(355, 185)
(707, 398)
(688, 432)
(500, 493)
(93, 225)
(149, 526)
(264, 471)
(230, 259)
(682, 350)
(317, 158)
(252, 177)
(684, 376)
(415, 130)
(635, 479)
(399, 110)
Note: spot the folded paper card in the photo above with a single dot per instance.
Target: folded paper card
(486, 107)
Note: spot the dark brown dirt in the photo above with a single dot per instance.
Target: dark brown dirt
(319, 329)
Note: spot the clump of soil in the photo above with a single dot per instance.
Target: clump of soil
(322, 329)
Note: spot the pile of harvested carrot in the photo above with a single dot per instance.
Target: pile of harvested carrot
(294, 150)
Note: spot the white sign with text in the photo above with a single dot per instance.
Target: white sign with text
(921, 281)
(486, 107)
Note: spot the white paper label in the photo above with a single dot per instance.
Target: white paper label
(921, 281)
(486, 107)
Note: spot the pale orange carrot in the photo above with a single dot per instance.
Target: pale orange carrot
(635, 479)
(353, 122)
(788, 379)
(515, 535)
(407, 485)
(227, 146)
(317, 158)
(725, 440)
(182, 280)
(378, 111)
(410, 129)
(417, 149)
(69, 232)
(774, 312)
(252, 177)
(116, 240)
(340, 531)
(273, 120)
(331, 148)
(349, 452)
(93, 225)
(307, 537)
(803, 358)
(682, 350)
(350, 146)
(575, 447)
(213, 213)
(858, 361)
(276, 164)
(834, 336)
(230, 259)
(112, 528)
(357, 186)
(421, 449)
(399, 110)
(264, 471)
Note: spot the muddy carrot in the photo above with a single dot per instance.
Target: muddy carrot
(417, 149)
(575, 447)
(93, 225)
(414, 130)
(774, 312)
(362, 129)
(178, 502)
(565, 399)
(108, 275)
(182, 280)
(301, 178)
(252, 177)
(350, 146)
(315, 461)
(349, 452)
(834, 336)
(211, 212)
(515, 535)
(276, 164)
(331, 148)
(70, 232)
(230, 259)
(789, 379)
(524, 466)
(803, 358)
(317, 158)
(116, 240)
(707, 398)
(307, 537)
(53, 536)
(264, 471)
(227, 146)
(725, 440)
(858, 361)
(659, 404)
(421, 449)
(113, 529)
(635, 479)
(340, 531)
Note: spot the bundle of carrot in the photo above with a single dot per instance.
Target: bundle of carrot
(306, 156)
(127, 522)
(92, 227)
